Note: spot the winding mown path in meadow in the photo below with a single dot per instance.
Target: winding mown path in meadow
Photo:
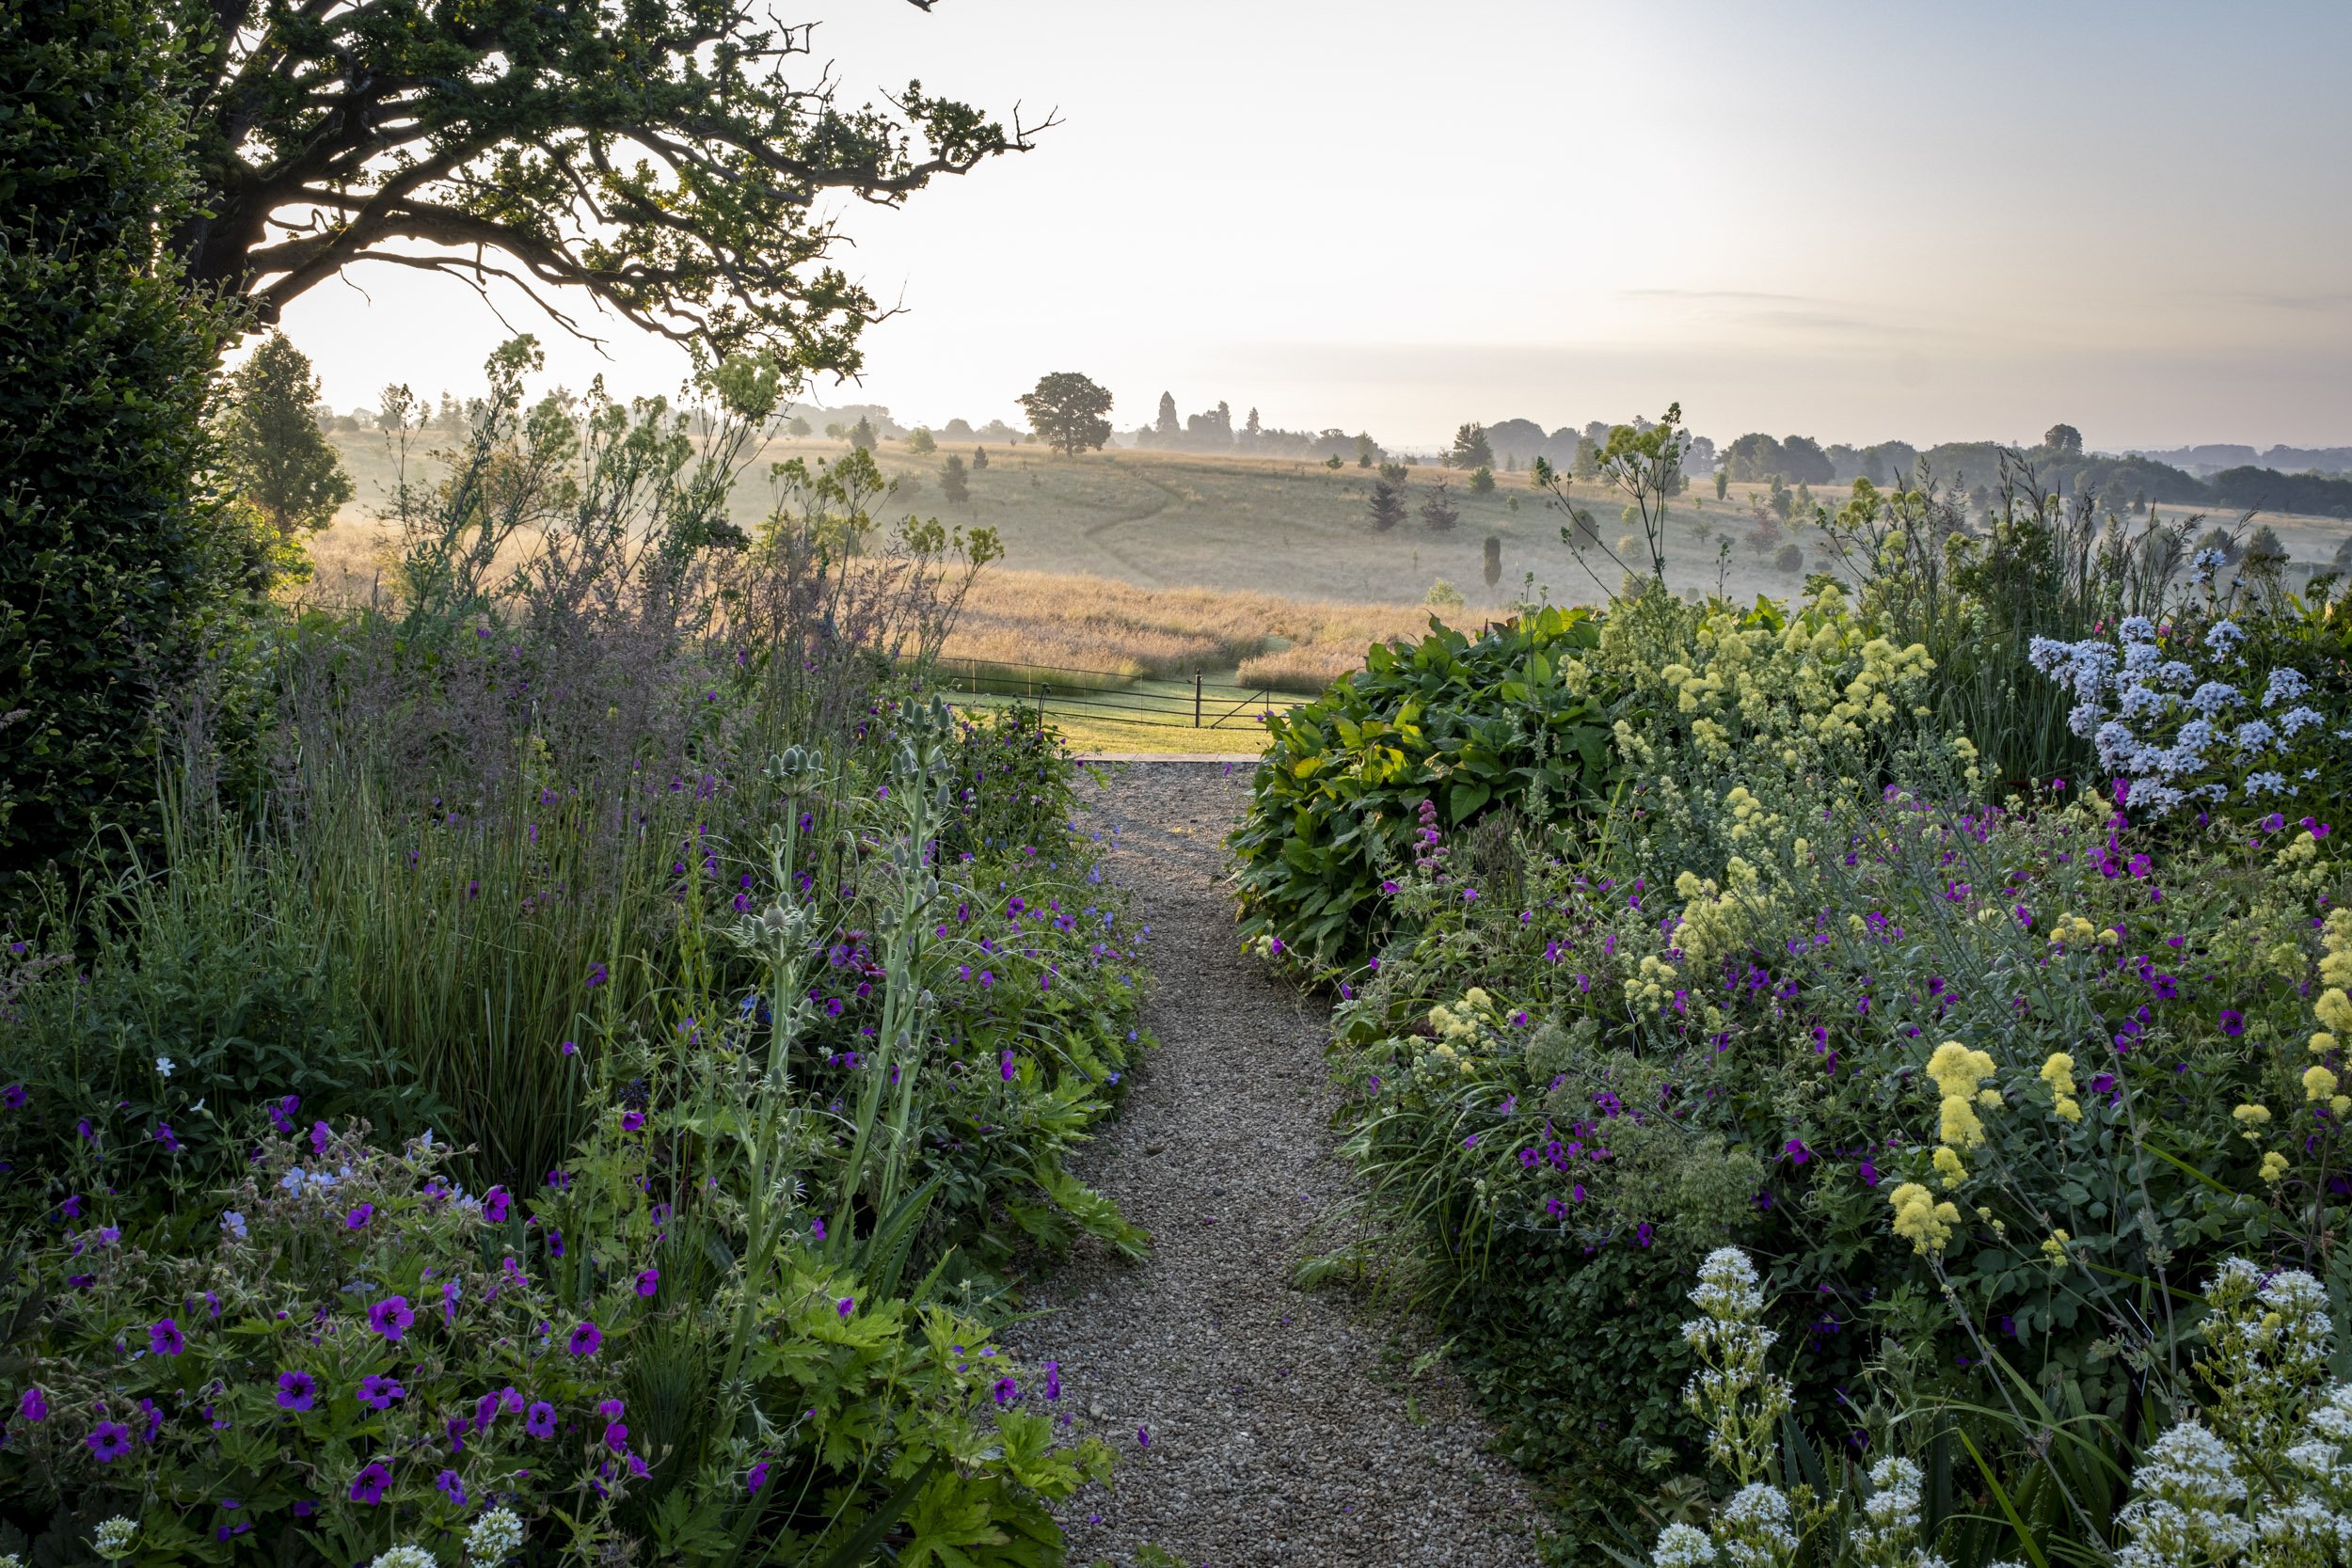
(1280, 1433)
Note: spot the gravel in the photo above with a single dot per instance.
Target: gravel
(1280, 1431)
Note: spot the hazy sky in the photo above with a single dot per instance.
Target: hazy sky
(1850, 220)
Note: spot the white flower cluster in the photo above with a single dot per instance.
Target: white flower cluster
(406, 1557)
(114, 1537)
(2186, 1507)
(2195, 1500)
(495, 1537)
(2156, 722)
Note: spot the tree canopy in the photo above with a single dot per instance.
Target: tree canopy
(665, 156)
(1067, 411)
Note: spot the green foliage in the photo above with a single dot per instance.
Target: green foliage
(1471, 450)
(1387, 506)
(1067, 412)
(703, 162)
(120, 574)
(1481, 480)
(565, 1365)
(270, 448)
(1502, 723)
(1438, 512)
(921, 443)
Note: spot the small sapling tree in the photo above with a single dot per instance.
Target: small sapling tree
(1438, 512)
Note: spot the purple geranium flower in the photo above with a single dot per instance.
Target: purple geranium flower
(370, 1484)
(648, 1282)
(846, 1305)
(1005, 1391)
(297, 1390)
(164, 1337)
(452, 1486)
(586, 1338)
(390, 1316)
(109, 1441)
(2233, 1023)
(494, 1205)
(540, 1421)
(358, 1219)
(378, 1392)
(756, 1477)
(33, 1405)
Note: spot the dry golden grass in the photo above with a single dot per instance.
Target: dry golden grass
(1032, 619)
(1021, 622)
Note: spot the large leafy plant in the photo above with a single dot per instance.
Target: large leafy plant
(1507, 719)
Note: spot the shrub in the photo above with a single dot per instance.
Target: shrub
(1976, 1087)
(121, 571)
(1509, 718)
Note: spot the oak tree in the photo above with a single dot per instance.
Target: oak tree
(1067, 412)
(671, 158)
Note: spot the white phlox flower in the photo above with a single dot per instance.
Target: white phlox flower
(2286, 684)
(2212, 697)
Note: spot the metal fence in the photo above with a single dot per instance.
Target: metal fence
(1199, 704)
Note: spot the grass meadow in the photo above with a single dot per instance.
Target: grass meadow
(1271, 530)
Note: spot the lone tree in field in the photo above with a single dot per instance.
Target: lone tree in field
(1439, 513)
(979, 460)
(2062, 438)
(952, 484)
(920, 442)
(1471, 450)
(1494, 561)
(862, 434)
(670, 157)
(272, 447)
(1388, 506)
(1067, 412)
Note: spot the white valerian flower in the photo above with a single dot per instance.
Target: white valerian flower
(1682, 1546)
(406, 1557)
(495, 1537)
(2188, 1487)
(1894, 1504)
(1753, 1530)
(114, 1537)
(1728, 1284)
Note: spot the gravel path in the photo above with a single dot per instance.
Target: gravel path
(1277, 1435)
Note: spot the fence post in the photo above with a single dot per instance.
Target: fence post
(1195, 699)
(1044, 690)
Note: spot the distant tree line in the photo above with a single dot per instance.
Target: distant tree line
(2307, 481)
(1213, 431)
